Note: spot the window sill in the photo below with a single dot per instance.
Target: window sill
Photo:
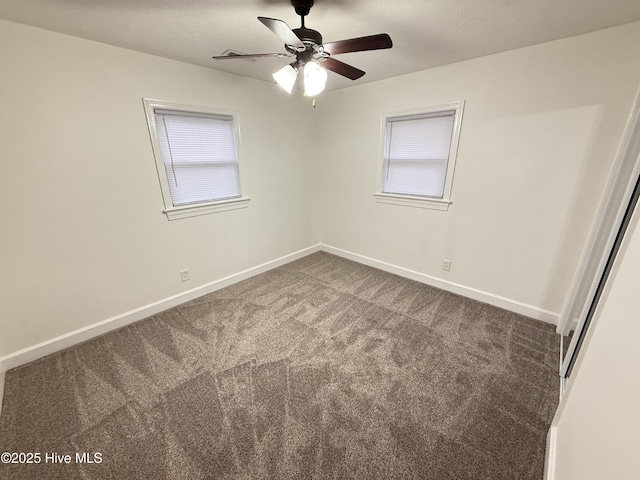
(176, 213)
(409, 201)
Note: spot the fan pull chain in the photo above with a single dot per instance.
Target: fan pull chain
(313, 102)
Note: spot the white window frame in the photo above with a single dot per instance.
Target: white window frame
(417, 200)
(202, 208)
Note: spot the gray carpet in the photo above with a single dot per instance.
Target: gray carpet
(320, 369)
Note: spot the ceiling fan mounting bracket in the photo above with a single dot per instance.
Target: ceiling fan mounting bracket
(302, 7)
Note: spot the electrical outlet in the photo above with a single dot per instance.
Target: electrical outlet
(446, 264)
(184, 274)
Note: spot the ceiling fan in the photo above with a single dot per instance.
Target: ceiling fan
(312, 56)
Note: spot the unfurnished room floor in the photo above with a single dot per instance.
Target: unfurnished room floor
(323, 368)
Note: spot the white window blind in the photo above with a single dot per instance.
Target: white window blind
(416, 154)
(200, 156)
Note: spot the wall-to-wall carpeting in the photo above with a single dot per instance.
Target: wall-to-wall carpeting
(322, 368)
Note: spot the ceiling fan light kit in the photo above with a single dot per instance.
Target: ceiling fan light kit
(315, 78)
(286, 77)
(312, 56)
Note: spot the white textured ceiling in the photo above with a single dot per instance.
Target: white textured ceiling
(425, 33)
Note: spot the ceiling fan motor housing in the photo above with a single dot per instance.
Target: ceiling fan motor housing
(312, 41)
(308, 35)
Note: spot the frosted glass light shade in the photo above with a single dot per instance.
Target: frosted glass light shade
(286, 77)
(315, 78)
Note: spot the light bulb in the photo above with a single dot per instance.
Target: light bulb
(315, 78)
(286, 77)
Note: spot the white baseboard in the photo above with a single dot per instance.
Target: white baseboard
(495, 300)
(2, 375)
(550, 454)
(48, 347)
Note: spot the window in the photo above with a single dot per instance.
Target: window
(418, 157)
(196, 157)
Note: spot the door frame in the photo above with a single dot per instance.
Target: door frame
(609, 228)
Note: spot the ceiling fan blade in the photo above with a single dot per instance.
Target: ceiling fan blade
(360, 44)
(251, 55)
(283, 32)
(342, 68)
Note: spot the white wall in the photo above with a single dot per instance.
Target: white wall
(84, 238)
(597, 426)
(83, 233)
(540, 131)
